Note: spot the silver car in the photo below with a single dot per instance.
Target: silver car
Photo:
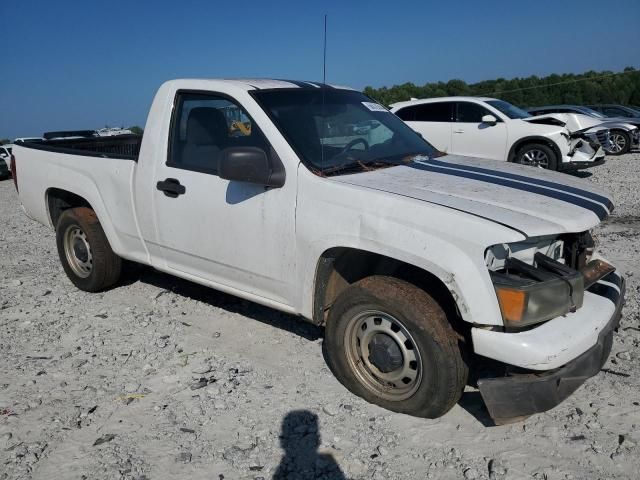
(624, 132)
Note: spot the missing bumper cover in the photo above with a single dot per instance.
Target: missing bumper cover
(524, 394)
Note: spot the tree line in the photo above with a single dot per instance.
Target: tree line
(582, 89)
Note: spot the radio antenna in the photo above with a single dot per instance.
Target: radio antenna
(324, 81)
(324, 53)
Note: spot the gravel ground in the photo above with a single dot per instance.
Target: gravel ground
(161, 378)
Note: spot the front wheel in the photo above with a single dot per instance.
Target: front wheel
(620, 142)
(537, 155)
(391, 343)
(84, 250)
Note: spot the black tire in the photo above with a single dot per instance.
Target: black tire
(534, 149)
(435, 346)
(621, 142)
(91, 266)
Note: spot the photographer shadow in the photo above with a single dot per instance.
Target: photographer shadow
(300, 439)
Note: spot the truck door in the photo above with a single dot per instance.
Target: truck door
(232, 234)
(474, 138)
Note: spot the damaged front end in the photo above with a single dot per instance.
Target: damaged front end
(539, 283)
(587, 140)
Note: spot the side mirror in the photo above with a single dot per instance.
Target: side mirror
(251, 165)
(489, 119)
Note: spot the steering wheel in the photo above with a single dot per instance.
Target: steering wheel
(353, 143)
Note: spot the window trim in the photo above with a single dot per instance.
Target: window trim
(174, 115)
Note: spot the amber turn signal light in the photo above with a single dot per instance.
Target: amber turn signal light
(512, 303)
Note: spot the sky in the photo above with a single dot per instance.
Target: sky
(86, 64)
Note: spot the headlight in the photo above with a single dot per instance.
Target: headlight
(530, 294)
(543, 277)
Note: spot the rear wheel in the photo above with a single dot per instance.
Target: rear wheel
(391, 343)
(620, 142)
(537, 155)
(84, 250)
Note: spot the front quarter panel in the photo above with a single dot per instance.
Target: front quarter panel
(445, 242)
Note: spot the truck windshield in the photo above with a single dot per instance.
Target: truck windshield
(508, 109)
(338, 131)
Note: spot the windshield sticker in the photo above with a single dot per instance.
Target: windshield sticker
(374, 107)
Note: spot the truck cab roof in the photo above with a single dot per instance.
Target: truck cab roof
(260, 83)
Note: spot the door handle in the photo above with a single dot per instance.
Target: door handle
(171, 187)
(458, 131)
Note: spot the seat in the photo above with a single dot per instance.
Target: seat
(207, 134)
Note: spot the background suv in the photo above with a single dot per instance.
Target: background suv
(492, 128)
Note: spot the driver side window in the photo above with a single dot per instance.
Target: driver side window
(203, 126)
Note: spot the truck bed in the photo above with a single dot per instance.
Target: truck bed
(120, 146)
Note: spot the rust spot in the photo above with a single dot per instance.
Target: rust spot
(86, 214)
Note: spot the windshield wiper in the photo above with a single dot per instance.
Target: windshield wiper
(358, 165)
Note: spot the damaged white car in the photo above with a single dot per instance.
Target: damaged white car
(624, 132)
(495, 129)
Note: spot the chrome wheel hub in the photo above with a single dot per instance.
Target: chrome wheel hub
(383, 355)
(618, 142)
(78, 251)
(535, 158)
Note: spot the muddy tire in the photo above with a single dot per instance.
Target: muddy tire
(392, 344)
(620, 142)
(537, 155)
(84, 251)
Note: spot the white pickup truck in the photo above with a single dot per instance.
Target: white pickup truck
(420, 265)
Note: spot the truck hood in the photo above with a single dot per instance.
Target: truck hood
(532, 201)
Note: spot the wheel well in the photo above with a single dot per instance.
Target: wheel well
(620, 130)
(528, 141)
(340, 267)
(59, 200)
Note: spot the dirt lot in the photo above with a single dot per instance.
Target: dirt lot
(160, 378)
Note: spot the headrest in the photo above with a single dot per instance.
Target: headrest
(206, 126)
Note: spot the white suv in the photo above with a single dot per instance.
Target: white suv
(492, 128)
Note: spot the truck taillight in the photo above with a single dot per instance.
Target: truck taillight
(14, 172)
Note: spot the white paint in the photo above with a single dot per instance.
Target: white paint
(264, 245)
(495, 140)
(552, 344)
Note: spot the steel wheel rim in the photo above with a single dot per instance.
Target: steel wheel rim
(78, 251)
(618, 142)
(535, 158)
(397, 384)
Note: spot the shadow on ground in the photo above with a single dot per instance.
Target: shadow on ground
(300, 439)
(580, 173)
(472, 402)
(215, 298)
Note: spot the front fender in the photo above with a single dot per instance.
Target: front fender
(462, 271)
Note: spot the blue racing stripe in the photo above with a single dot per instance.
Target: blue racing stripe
(543, 183)
(595, 207)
